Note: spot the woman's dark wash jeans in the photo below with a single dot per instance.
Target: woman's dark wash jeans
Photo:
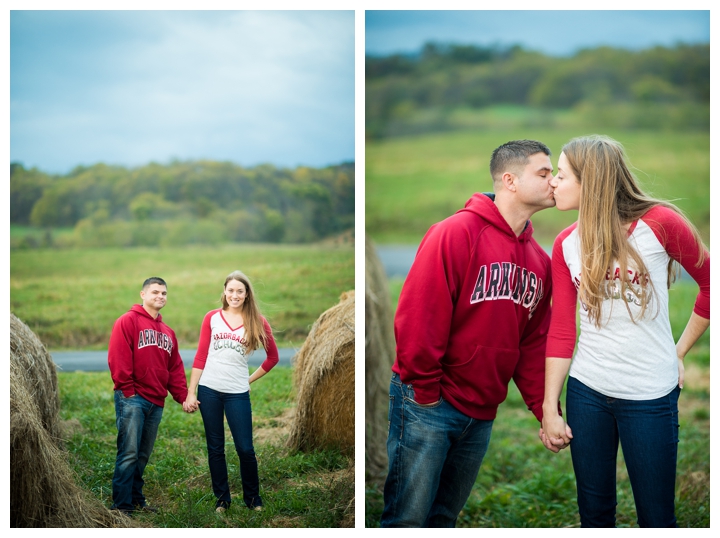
(214, 407)
(647, 430)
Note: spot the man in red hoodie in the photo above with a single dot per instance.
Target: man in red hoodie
(144, 364)
(472, 315)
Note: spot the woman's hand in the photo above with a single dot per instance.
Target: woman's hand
(555, 433)
(695, 328)
(681, 372)
(191, 404)
(257, 374)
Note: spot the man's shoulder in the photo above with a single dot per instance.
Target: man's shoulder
(458, 222)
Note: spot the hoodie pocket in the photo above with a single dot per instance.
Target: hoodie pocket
(484, 375)
(153, 378)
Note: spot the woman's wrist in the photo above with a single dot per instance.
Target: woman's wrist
(550, 409)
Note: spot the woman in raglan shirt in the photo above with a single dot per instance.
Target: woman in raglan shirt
(617, 261)
(221, 376)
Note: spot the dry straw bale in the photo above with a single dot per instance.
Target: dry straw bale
(43, 487)
(324, 379)
(379, 357)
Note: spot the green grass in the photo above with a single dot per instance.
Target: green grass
(522, 484)
(71, 298)
(18, 232)
(313, 489)
(413, 182)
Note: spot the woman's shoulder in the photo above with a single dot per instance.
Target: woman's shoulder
(660, 216)
(213, 312)
(661, 213)
(566, 232)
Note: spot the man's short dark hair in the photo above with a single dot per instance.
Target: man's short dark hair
(154, 280)
(514, 154)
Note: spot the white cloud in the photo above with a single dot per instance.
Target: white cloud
(222, 85)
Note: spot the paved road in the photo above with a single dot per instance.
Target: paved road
(396, 259)
(96, 361)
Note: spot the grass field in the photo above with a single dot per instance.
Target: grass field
(522, 484)
(71, 298)
(313, 489)
(412, 182)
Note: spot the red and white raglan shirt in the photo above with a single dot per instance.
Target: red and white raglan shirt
(223, 357)
(626, 359)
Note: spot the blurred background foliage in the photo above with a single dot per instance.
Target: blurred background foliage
(447, 87)
(193, 202)
(434, 117)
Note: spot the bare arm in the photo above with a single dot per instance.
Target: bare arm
(555, 429)
(694, 329)
(191, 403)
(257, 374)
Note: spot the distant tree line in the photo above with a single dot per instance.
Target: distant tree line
(183, 202)
(661, 87)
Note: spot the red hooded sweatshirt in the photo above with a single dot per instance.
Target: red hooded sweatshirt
(474, 313)
(144, 359)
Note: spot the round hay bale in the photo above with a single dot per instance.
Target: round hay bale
(43, 487)
(324, 380)
(379, 358)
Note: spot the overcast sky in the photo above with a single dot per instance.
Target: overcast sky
(130, 87)
(557, 33)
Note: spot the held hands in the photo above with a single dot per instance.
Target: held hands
(191, 404)
(555, 434)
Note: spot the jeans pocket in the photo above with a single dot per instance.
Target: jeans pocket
(427, 406)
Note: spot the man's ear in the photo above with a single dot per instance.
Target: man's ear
(509, 181)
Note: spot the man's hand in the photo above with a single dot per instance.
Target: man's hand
(550, 446)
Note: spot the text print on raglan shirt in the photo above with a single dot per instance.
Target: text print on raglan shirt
(505, 280)
(148, 337)
(229, 340)
(637, 286)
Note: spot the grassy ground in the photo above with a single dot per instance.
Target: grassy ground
(71, 298)
(298, 489)
(522, 484)
(412, 182)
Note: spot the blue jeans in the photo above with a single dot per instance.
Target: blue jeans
(137, 422)
(214, 406)
(648, 433)
(434, 453)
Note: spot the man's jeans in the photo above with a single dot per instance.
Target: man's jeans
(648, 433)
(137, 423)
(214, 407)
(434, 453)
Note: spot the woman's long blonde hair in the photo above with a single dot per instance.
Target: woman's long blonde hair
(610, 198)
(255, 335)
